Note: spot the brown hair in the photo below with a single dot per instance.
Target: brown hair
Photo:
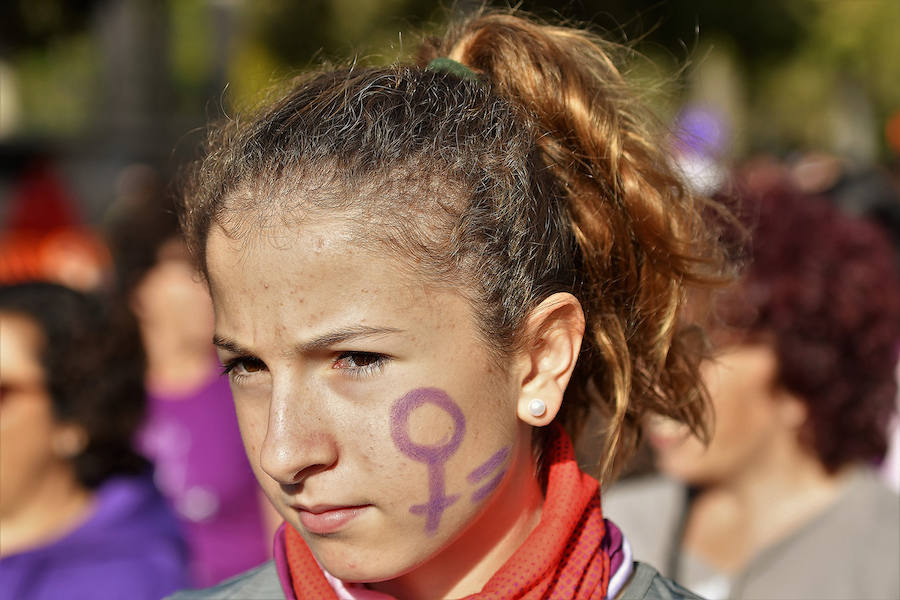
(93, 371)
(540, 175)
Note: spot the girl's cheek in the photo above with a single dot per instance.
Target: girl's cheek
(443, 493)
(252, 424)
(433, 457)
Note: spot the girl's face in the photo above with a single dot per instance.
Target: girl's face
(371, 411)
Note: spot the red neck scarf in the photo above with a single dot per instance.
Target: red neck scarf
(564, 557)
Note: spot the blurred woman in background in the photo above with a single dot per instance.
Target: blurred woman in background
(191, 431)
(783, 502)
(79, 515)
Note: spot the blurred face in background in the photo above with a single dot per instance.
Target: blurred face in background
(750, 415)
(172, 298)
(29, 432)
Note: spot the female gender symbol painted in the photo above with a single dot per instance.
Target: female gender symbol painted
(433, 456)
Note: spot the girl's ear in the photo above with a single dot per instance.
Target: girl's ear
(553, 333)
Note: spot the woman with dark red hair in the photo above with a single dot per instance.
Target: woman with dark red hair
(782, 503)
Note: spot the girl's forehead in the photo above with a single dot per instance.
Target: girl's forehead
(269, 297)
(315, 256)
(311, 251)
(414, 241)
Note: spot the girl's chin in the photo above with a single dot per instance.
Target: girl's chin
(384, 553)
(367, 565)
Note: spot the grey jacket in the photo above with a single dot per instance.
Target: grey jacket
(849, 551)
(262, 584)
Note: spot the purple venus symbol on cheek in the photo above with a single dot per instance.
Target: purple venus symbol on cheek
(433, 456)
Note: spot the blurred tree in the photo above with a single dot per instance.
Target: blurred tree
(34, 23)
(793, 55)
(763, 31)
(283, 37)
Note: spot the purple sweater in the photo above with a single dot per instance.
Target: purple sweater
(203, 472)
(129, 547)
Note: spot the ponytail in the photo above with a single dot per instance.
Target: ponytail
(641, 237)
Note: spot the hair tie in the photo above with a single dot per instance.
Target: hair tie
(442, 64)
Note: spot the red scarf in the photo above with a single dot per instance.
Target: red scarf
(563, 558)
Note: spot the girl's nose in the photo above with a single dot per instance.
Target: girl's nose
(298, 442)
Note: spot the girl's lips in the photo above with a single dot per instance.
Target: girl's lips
(322, 521)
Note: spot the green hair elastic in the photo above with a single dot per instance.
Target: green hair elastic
(442, 64)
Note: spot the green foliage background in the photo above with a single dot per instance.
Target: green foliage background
(792, 57)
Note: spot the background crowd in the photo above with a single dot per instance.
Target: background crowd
(118, 440)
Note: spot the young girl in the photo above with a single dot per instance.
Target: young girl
(424, 277)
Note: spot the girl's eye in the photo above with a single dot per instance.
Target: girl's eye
(360, 363)
(243, 366)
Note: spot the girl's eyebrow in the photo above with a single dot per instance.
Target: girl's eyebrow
(320, 342)
(229, 345)
(339, 336)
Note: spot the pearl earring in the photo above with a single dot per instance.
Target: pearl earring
(537, 408)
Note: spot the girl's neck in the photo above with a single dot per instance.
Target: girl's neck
(466, 565)
(55, 506)
(731, 521)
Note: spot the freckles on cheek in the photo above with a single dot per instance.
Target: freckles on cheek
(253, 434)
(435, 456)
